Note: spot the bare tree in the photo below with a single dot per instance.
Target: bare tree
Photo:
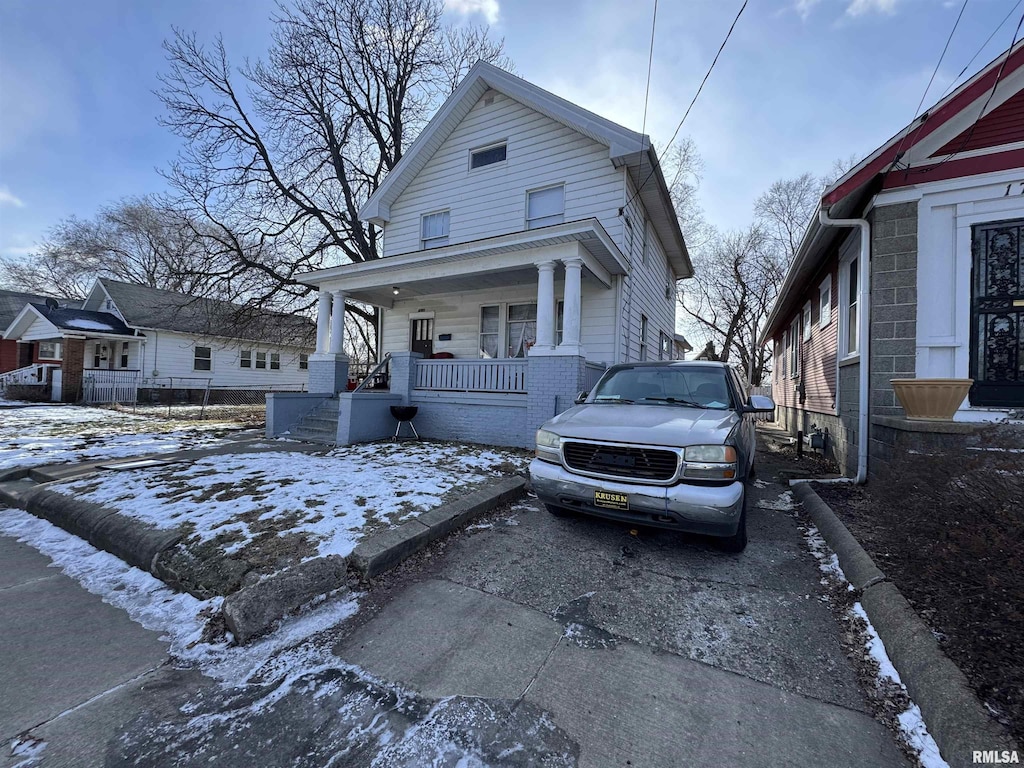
(785, 210)
(280, 154)
(137, 240)
(736, 280)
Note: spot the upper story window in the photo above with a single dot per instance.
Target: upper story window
(434, 229)
(495, 153)
(545, 207)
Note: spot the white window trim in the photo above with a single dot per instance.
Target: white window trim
(303, 361)
(447, 235)
(58, 351)
(785, 355)
(845, 355)
(825, 310)
(195, 349)
(526, 209)
(794, 350)
(273, 357)
(805, 320)
(484, 148)
(242, 356)
(498, 333)
(256, 358)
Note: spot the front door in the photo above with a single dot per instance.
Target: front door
(422, 334)
(997, 314)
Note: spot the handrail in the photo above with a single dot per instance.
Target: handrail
(370, 376)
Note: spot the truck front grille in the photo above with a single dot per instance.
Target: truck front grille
(625, 461)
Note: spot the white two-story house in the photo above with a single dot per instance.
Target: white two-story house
(527, 244)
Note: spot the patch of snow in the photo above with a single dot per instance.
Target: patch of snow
(54, 434)
(995, 449)
(912, 726)
(330, 499)
(179, 618)
(760, 484)
(784, 502)
(828, 561)
(27, 748)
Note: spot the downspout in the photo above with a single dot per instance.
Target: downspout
(863, 333)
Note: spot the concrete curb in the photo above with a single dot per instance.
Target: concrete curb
(384, 550)
(253, 610)
(135, 542)
(956, 719)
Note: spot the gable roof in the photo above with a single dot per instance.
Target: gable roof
(12, 302)
(154, 308)
(77, 320)
(951, 139)
(625, 148)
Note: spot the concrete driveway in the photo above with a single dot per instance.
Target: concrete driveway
(524, 640)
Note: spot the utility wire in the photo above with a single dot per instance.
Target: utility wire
(917, 111)
(982, 48)
(650, 62)
(694, 101)
(984, 107)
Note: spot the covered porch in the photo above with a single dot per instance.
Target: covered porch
(488, 339)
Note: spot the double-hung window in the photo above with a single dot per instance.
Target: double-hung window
(784, 357)
(545, 207)
(489, 326)
(124, 354)
(245, 358)
(849, 301)
(275, 361)
(49, 350)
(806, 320)
(665, 352)
(261, 360)
(794, 348)
(521, 329)
(434, 229)
(202, 359)
(303, 361)
(825, 302)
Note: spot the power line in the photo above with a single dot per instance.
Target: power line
(650, 62)
(984, 106)
(694, 101)
(917, 110)
(982, 48)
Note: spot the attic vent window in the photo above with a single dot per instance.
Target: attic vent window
(478, 158)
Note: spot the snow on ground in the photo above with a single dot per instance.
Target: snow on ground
(52, 434)
(180, 618)
(913, 729)
(329, 499)
(784, 503)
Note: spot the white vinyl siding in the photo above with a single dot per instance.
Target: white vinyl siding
(492, 200)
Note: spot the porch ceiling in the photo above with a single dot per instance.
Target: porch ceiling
(494, 262)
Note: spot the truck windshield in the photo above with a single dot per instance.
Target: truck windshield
(669, 385)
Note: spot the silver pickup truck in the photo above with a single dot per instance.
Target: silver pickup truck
(667, 444)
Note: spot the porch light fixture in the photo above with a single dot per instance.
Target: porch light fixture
(395, 290)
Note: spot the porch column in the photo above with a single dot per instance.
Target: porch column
(338, 323)
(571, 307)
(323, 320)
(545, 307)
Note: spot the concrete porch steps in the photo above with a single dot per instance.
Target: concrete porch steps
(320, 425)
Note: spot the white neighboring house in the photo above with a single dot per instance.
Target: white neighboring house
(130, 341)
(528, 243)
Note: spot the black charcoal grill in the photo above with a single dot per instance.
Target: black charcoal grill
(404, 414)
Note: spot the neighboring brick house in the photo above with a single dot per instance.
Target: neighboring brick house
(15, 354)
(937, 291)
(528, 243)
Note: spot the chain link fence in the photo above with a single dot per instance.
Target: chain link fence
(195, 398)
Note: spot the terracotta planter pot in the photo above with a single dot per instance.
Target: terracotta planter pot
(931, 399)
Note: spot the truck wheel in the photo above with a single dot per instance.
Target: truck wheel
(738, 541)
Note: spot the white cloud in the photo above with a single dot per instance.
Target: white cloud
(489, 9)
(861, 7)
(803, 7)
(9, 198)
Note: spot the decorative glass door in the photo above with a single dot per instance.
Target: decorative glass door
(997, 314)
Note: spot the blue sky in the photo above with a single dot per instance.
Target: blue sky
(801, 83)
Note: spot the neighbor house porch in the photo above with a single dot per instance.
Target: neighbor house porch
(487, 339)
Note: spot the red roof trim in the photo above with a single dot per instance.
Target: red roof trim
(953, 106)
(968, 166)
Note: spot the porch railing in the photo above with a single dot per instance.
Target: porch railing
(36, 374)
(593, 372)
(104, 386)
(471, 375)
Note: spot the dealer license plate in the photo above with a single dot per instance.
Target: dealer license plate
(610, 500)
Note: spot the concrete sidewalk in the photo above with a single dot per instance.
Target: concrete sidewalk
(69, 660)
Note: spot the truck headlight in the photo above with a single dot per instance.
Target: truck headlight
(710, 462)
(548, 445)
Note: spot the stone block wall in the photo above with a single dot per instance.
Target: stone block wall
(893, 302)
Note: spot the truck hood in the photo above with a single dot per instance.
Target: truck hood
(668, 425)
